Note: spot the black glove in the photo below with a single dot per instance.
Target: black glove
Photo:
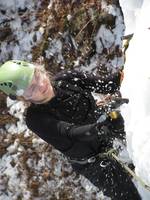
(116, 126)
(83, 133)
(90, 131)
(111, 124)
(117, 122)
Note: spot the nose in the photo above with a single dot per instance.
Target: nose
(43, 86)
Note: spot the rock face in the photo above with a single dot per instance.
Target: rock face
(82, 34)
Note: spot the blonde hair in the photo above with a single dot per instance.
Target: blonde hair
(42, 69)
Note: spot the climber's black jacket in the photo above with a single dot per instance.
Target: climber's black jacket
(68, 120)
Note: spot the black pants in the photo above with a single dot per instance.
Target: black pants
(109, 176)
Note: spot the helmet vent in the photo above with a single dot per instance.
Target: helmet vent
(24, 64)
(7, 84)
(17, 62)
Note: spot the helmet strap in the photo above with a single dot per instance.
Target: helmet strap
(12, 97)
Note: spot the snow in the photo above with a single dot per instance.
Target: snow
(55, 49)
(16, 108)
(22, 24)
(105, 41)
(136, 87)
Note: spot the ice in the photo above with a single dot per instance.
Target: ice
(136, 87)
(131, 9)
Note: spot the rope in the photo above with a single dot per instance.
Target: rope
(129, 170)
(112, 152)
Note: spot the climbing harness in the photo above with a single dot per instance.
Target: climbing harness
(112, 153)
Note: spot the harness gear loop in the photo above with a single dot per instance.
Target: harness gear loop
(92, 159)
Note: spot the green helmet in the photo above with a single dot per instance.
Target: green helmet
(15, 77)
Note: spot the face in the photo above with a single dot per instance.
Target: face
(40, 90)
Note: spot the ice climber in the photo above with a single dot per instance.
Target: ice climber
(64, 113)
